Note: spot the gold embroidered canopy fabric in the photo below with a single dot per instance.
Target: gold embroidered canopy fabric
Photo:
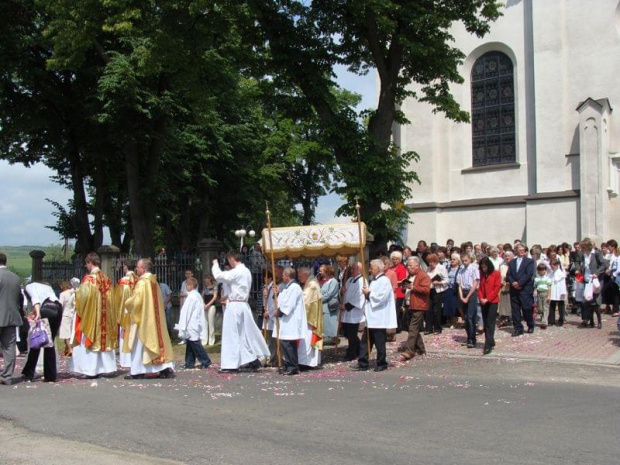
(321, 240)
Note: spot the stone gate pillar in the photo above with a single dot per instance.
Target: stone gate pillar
(37, 262)
(108, 255)
(208, 250)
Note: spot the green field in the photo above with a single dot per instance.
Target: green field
(18, 258)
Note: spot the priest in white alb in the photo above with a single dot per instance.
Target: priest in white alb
(380, 311)
(242, 342)
(96, 337)
(151, 349)
(291, 311)
(123, 290)
(311, 345)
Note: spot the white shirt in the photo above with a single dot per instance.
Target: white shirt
(293, 322)
(191, 323)
(39, 293)
(239, 281)
(380, 307)
(353, 295)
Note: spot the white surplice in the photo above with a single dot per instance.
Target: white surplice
(192, 324)
(242, 341)
(353, 295)
(380, 307)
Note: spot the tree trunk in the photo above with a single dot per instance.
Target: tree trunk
(82, 225)
(138, 211)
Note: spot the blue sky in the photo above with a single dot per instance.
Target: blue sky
(24, 212)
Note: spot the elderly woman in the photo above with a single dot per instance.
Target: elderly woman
(495, 258)
(330, 294)
(67, 300)
(450, 296)
(396, 258)
(504, 309)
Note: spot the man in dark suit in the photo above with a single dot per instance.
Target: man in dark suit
(11, 301)
(520, 276)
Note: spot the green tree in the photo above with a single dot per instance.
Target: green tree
(404, 41)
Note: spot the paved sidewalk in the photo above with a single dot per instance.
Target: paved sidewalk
(569, 343)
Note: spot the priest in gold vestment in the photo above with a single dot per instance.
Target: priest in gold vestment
(151, 349)
(94, 351)
(123, 290)
(309, 350)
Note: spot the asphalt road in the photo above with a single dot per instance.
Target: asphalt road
(436, 410)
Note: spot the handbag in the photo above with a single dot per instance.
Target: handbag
(40, 335)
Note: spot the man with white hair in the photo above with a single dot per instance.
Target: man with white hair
(293, 324)
(151, 349)
(380, 311)
(309, 351)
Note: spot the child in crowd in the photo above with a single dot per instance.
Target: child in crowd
(542, 286)
(558, 292)
(193, 327)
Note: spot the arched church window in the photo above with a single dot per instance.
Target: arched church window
(493, 110)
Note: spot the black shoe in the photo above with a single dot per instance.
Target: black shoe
(140, 376)
(7, 382)
(487, 350)
(420, 352)
(87, 377)
(381, 368)
(291, 372)
(599, 326)
(206, 366)
(360, 368)
(530, 330)
(166, 373)
(426, 333)
(471, 345)
(517, 333)
(250, 367)
(228, 371)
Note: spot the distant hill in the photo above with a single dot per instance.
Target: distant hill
(18, 258)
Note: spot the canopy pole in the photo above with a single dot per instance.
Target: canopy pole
(275, 294)
(363, 260)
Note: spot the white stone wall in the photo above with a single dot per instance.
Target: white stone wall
(563, 52)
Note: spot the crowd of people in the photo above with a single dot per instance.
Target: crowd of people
(420, 292)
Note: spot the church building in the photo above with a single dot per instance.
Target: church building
(540, 161)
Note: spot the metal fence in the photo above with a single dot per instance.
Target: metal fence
(54, 272)
(169, 270)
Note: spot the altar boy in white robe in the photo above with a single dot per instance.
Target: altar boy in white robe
(242, 342)
(192, 327)
(352, 310)
(380, 311)
(293, 325)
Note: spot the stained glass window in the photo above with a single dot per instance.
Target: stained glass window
(493, 110)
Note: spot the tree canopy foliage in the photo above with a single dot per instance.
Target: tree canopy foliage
(174, 120)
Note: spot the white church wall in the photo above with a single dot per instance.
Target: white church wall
(493, 224)
(552, 221)
(573, 61)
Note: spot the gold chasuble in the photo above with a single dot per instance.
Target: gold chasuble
(96, 315)
(123, 290)
(314, 312)
(148, 321)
